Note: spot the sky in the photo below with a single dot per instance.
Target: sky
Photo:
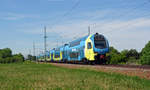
(125, 23)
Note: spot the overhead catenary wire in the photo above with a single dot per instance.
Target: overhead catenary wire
(65, 14)
(59, 19)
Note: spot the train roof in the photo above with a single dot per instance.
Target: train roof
(80, 39)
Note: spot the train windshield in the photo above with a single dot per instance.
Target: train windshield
(99, 41)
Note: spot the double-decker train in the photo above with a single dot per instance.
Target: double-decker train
(88, 49)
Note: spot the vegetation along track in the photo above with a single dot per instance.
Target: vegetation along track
(131, 70)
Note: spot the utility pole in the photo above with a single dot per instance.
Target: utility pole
(34, 50)
(29, 54)
(89, 30)
(45, 37)
(57, 42)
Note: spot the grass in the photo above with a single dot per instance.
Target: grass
(31, 76)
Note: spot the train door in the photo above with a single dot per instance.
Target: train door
(89, 52)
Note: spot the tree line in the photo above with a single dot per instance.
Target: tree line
(6, 56)
(131, 56)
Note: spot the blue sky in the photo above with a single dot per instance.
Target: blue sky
(125, 23)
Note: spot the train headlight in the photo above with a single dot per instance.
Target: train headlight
(95, 54)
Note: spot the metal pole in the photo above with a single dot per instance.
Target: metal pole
(33, 50)
(57, 42)
(45, 41)
(30, 54)
(89, 30)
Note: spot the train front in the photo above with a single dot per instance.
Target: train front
(101, 47)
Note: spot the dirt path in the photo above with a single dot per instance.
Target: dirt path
(140, 72)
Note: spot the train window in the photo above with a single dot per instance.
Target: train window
(100, 44)
(57, 55)
(99, 41)
(89, 46)
(72, 44)
(74, 54)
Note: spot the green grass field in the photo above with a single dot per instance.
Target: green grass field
(44, 77)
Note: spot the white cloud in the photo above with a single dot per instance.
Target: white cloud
(121, 33)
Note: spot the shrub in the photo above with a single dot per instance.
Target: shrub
(114, 57)
(8, 60)
(1, 60)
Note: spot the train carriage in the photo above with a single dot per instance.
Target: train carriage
(41, 57)
(48, 56)
(91, 48)
(76, 49)
(57, 54)
(51, 54)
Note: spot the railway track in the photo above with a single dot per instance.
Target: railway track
(142, 71)
(130, 66)
(112, 65)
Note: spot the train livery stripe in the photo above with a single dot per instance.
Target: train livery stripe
(89, 53)
(50, 57)
(59, 58)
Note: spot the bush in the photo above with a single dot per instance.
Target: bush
(8, 60)
(132, 60)
(114, 57)
(1, 60)
(18, 58)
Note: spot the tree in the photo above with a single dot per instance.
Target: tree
(18, 58)
(124, 55)
(133, 53)
(113, 57)
(5, 53)
(145, 54)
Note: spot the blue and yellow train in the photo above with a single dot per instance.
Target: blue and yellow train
(88, 49)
